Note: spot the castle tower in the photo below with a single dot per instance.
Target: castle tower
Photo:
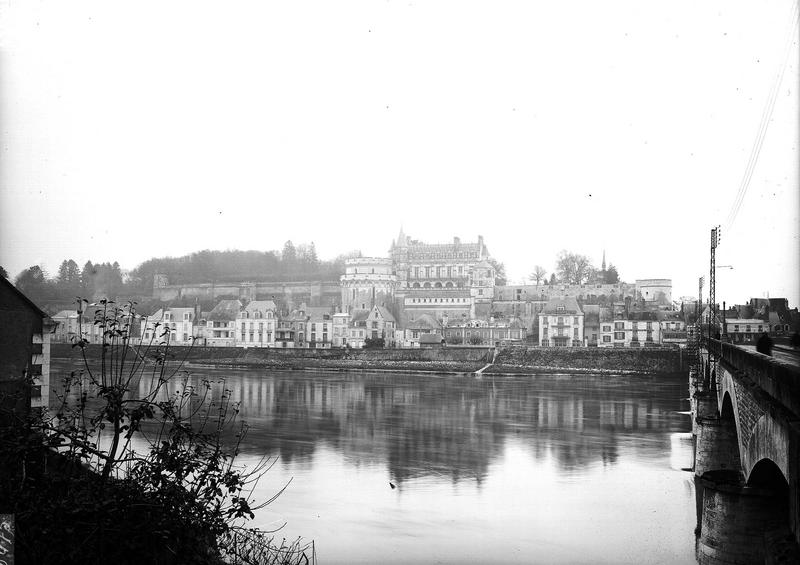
(367, 282)
(399, 256)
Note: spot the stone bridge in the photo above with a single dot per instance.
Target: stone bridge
(746, 427)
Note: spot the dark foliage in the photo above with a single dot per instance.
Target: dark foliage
(123, 471)
(374, 343)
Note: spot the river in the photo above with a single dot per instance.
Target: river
(525, 469)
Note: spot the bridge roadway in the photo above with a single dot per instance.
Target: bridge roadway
(746, 426)
(780, 352)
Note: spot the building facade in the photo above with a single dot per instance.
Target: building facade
(561, 323)
(256, 324)
(367, 282)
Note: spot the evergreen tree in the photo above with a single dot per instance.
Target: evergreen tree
(87, 280)
(611, 275)
(32, 282)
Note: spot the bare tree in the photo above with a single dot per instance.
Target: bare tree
(573, 268)
(538, 274)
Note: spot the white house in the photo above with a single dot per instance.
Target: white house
(561, 323)
(256, 324)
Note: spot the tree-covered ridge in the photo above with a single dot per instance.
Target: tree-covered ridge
(110, 280)
(292, 263)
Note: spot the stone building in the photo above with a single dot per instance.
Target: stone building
(442, 279)
(367, 282)
(561, 323)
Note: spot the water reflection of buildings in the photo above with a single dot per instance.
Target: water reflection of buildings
(452, 426)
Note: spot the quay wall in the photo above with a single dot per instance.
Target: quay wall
(604, 359)
(520, 360)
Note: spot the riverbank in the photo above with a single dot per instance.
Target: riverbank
(447, 360)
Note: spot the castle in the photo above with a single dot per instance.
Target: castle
(450, 282)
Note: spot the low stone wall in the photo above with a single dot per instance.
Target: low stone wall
(446, 359)
(636, 360)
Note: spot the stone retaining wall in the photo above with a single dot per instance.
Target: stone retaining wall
(446, 359)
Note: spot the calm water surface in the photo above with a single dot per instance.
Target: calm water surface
(543, 469)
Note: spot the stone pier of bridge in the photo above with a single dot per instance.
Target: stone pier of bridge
(746, 432)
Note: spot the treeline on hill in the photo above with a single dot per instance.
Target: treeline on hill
(292, 263)
(573, 268)
(109, 280)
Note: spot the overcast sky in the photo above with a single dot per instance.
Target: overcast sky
(134, 130)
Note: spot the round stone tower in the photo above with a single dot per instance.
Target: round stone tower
(367, 282)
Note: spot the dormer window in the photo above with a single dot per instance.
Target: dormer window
(560, 308)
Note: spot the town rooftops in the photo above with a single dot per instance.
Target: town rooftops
(565, 305)
(260, 306)
(424, 322)
(225, 311)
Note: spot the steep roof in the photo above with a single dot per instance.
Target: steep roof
(424, 322)
(260, 306)
(569, 303)
(384, 313)
(225, 311)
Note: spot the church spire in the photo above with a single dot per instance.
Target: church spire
(401, 238)
(604, 260)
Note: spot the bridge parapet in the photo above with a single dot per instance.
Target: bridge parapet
(778, 379)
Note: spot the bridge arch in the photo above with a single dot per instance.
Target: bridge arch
(767, 442)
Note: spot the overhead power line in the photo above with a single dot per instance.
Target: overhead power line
(766, 117)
